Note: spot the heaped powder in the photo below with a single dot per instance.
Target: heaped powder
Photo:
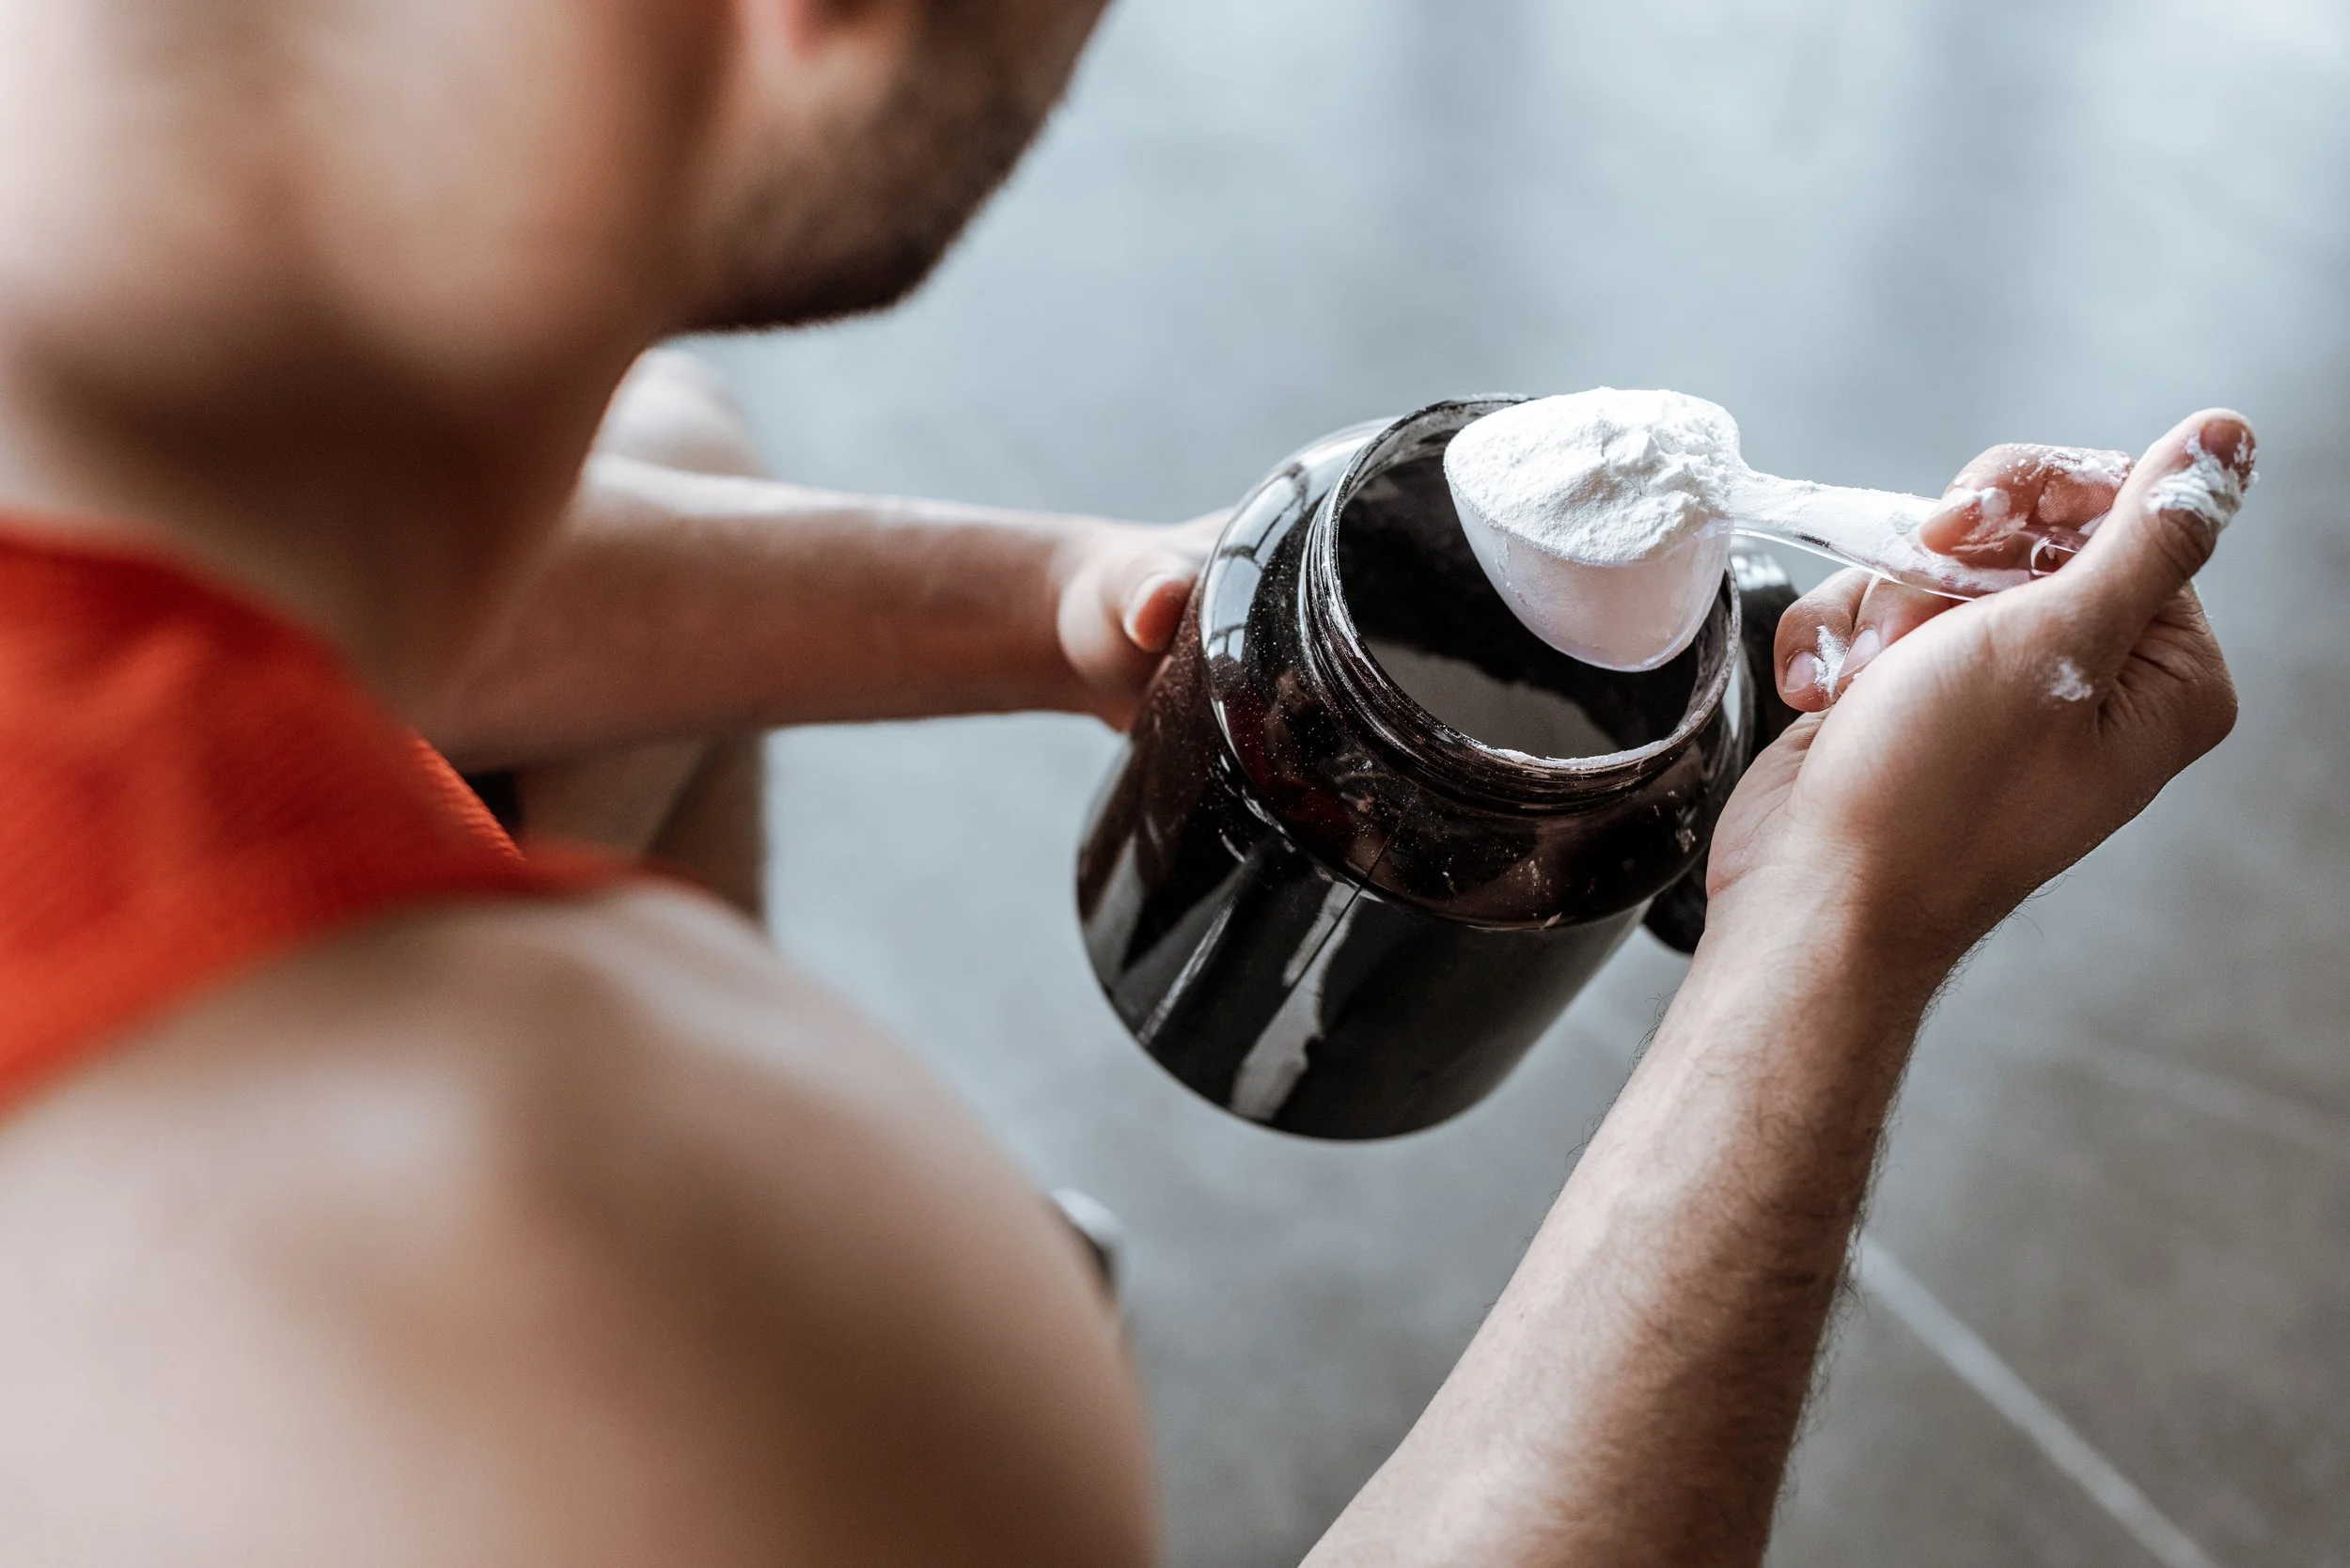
(1595, 517)
(1603, 518)
(1604, 477)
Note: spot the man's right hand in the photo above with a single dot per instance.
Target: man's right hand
(1986, 747)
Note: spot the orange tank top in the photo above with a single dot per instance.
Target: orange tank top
(190, 786)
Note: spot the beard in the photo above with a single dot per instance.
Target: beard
(856, 217)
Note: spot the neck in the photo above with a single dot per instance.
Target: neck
(350, 369)
(379, 505)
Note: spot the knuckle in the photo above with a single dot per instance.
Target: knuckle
(1907, 609)
(1829, 604)
(2205, 716)
(1997, 465)
(2219, 711)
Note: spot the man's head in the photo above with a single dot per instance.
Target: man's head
(335, 292)
(864, 135)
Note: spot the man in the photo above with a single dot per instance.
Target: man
(404, 1201)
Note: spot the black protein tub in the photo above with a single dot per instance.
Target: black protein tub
(1338, 884)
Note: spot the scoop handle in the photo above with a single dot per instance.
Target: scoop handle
(1873, 529)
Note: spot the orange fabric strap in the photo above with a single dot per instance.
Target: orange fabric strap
(190, 785)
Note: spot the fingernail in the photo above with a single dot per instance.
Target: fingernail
(1803, 675)
(2231, 442)
(1951, 523)
(1955, 505)
(1867, 646)
(1141, 600)
(1152, 586)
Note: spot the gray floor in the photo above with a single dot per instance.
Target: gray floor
(2111, 1320)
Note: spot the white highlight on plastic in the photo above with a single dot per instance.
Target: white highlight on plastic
(1280, 1058)
(1961, 1349)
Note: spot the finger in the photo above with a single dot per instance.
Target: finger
(2022, 506)
(1888, 612)
(2025, 469)
(1144, 594)
(2163, 527)
(2173, 690)
(2081, 487)
(1815, 638)
(1147, 593)
(1155, 609)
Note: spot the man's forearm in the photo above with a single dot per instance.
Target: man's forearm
(682, 603)
(1633, 1395)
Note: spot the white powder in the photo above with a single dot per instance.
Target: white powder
(2068, 684)
(1832, 651)
(1592, 515)
(1603, 518)
(2206, 490)
(1603, 477)
(2088, 465)
(1508, 715)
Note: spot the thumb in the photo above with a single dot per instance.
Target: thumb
(1145, 595)
(2164, 525)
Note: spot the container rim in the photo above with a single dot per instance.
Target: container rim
(1335, 646)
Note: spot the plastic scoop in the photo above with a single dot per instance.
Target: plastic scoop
(1636, 614)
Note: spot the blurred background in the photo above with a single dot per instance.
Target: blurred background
(2107, 1316)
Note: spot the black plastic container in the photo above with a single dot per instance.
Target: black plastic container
(1309, 891)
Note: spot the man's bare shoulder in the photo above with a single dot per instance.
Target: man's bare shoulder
(523, 1233)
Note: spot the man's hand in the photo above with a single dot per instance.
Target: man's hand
(1964, 754)
(1120, 590)
(1633, 1395)
(2020, 505)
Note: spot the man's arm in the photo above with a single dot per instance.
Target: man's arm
(675, 603)
(1634, 1394)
